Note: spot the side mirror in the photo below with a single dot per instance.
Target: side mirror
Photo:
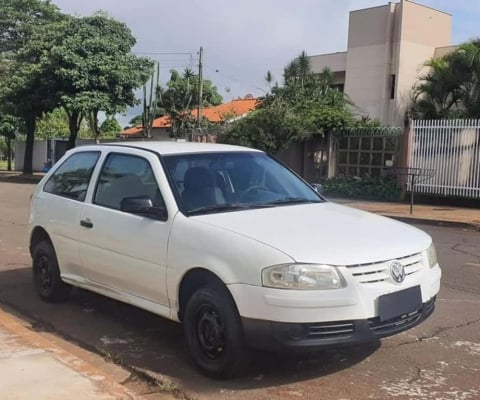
(143, 205)
(318, 187)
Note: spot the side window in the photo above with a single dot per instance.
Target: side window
(72, 177)
(123, 176)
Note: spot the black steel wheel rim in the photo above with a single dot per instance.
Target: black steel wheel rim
(44, 272)
(210, 332)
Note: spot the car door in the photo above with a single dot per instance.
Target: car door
(125, 252)
(58, 207)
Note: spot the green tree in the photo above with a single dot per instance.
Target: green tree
(306, 105)
(437, 94)
(269, 80)
(271, 128)
(465, 62)
(91, 63)
(451, 86)
(8, 129)
(26, 91)
(53, 125)
(20, 18)
(110, 127)
(180, 98)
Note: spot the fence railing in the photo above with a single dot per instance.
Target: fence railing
(452, 149)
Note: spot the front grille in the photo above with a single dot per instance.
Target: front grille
(380, 271)
(319, 330)
(330, 330)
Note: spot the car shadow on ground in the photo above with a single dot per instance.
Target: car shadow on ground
(145, 342)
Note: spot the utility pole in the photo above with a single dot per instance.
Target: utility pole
(200, 87)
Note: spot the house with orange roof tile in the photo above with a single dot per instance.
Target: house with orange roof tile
(224, 113)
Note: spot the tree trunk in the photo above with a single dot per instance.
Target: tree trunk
(9, 154)
(96, 131)
(28, 159)
(74, 120)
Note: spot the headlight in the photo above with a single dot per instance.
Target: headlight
(303, 276)
(432, 256)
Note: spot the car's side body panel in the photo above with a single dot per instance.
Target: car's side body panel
(126, 252)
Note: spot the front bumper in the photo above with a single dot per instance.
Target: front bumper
(298, 337)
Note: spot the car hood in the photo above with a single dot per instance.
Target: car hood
(324, 233)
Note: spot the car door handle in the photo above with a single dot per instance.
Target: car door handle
(86, 223)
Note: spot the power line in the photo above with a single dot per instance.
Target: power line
(236, 80)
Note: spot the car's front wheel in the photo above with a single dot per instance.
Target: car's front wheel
(214, 333)
(46, 274)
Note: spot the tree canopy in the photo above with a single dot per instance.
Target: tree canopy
(180, 98)
(48, 60)
(20, 19)
(451, 86)
(110, 126)
(91, 63)
(27, 92)
(307, 104)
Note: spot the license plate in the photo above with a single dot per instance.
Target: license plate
(399, 303)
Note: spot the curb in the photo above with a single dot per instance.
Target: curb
(20, 179)
(14, 176)
(434, 222)
(19, 329)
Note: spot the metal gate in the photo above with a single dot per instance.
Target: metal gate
(451, 148)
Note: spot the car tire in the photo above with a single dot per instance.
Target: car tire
(214, 333)
(46, 274)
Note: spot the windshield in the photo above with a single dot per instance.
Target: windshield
(218, 182)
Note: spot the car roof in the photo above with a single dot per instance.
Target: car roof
(167, 147)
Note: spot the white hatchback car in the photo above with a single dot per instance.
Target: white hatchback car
(232, 244)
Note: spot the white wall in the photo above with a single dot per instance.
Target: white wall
(39, 155)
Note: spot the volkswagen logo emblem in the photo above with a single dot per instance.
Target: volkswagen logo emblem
(397, 271)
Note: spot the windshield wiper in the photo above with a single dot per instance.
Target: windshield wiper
(225, 207)
(292, 200)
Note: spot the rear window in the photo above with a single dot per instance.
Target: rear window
(71, 179)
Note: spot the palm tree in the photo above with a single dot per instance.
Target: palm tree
(290, 72)
(269, 79)
(451, 87)
(304, 67)
(466, 61)
(437, 94)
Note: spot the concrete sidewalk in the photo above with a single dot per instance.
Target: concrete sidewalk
(440, 215)
(36, 366)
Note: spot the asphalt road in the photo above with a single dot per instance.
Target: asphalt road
(440, 359)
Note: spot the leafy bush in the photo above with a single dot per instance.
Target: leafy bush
(369, 188)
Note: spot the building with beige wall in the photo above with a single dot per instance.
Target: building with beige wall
(387, 49)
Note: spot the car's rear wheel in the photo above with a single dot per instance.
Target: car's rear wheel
(46, 274)
(214, 333)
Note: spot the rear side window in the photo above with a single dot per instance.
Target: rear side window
(72, 177)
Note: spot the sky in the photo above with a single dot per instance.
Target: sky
(243, 39)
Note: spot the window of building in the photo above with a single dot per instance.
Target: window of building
(339, 86)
